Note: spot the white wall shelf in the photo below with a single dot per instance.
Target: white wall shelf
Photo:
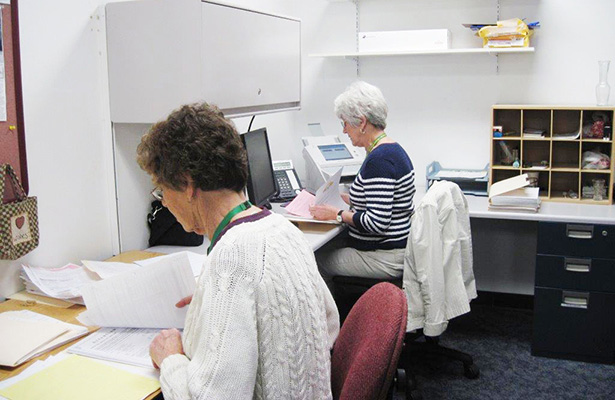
(494, 51)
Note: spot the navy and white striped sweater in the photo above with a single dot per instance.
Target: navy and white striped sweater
(382, 196)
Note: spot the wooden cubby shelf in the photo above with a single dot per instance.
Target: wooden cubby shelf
(550, 142)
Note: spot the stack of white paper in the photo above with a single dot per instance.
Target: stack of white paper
(141, 298)
(26, 334)
(328, 193)
(513, 195)
(60, 283)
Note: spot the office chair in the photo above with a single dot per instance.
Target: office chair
(367, 350)
(430, 274)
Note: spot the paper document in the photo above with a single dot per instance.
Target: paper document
(124, 345)
(328, 193)
(301, 204)
(61, 283)
(106, 269)
(26, 334)
(196, 261)
(141, 298)
(449, 173)
(77, 378)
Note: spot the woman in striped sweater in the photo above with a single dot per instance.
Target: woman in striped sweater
(380, 197)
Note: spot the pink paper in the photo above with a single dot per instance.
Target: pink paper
(301, 204)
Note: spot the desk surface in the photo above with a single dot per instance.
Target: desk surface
(549, 211)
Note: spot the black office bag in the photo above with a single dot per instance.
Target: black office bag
(165, 230)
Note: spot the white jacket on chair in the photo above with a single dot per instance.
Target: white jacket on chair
(438, 276)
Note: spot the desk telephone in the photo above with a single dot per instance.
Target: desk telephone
(286, 180)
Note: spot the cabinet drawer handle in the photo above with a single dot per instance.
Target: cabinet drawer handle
(579, 231)
(577, 264)
(575, 300)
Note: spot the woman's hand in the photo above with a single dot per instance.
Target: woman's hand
(166, 343)
(345, 197)
(184, 302)
(324, 212)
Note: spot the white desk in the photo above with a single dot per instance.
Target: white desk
(317, 234)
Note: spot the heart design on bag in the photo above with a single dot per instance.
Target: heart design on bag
(19, 221)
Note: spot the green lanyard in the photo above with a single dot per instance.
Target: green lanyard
(375, 142)
(227, 219)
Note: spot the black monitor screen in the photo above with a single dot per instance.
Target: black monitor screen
(261, 183)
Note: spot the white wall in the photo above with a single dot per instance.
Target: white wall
(67, 140)
(439, 105)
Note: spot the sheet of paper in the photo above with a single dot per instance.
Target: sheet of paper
(76, 378)
(106, 269)
(196, 261)
(71, 331)
(516, 182)
(300, 205)
(62, 283)
(20, 338)
(142, 298)
(50, 301)
(329, 192)
(125, 345)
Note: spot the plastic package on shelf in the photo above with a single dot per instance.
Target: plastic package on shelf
(508, 33)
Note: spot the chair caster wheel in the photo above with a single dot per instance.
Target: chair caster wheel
(400, 380)
(471, 371)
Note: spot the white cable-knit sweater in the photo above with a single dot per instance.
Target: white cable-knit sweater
(261, 322)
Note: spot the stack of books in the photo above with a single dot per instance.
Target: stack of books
(513, 194)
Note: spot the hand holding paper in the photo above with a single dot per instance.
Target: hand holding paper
(328, 193)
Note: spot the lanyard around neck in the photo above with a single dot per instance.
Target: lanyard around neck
(375, 142)
(226, 220)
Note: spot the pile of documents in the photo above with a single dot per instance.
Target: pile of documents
(26, 334)
(66, 282)
(513, 195)
(508, 33)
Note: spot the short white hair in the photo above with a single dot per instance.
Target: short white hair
(362, 100)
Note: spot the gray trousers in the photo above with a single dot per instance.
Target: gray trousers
(337, 259)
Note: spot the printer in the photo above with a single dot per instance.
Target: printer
(324, 155)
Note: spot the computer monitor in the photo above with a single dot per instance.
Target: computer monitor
(261, 182)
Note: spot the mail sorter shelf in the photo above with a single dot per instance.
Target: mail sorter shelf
(574, 294)
(470, 181)
(551, 143)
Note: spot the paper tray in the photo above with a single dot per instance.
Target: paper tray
(476, 185)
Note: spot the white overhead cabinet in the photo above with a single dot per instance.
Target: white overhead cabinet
(165, 53)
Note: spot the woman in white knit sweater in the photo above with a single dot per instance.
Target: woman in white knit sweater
(261, 322)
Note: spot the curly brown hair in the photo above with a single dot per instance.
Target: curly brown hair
(195, 142)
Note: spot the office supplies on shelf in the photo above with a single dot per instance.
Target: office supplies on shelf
(512, 194)
(324, 155)
(124, 345)
(471, 181)
(74, 378)
(26, 334)
(141, 298)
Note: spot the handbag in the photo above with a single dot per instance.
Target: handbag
(165, 230)
(18, 219)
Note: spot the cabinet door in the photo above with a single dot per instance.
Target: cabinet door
(565, 328)
(249, 58)
(580, 240)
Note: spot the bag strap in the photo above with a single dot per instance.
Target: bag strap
(19, 192)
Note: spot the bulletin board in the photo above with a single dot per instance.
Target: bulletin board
(12, 133)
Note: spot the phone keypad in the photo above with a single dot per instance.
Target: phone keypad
(283, 184)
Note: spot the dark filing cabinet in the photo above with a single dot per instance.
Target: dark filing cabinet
(574, 294)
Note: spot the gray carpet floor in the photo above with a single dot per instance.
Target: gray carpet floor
(499, 340)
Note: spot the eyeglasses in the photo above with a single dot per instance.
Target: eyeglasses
(343, 124)
(157, 193)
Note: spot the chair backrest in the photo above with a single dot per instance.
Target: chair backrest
(367, 349)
